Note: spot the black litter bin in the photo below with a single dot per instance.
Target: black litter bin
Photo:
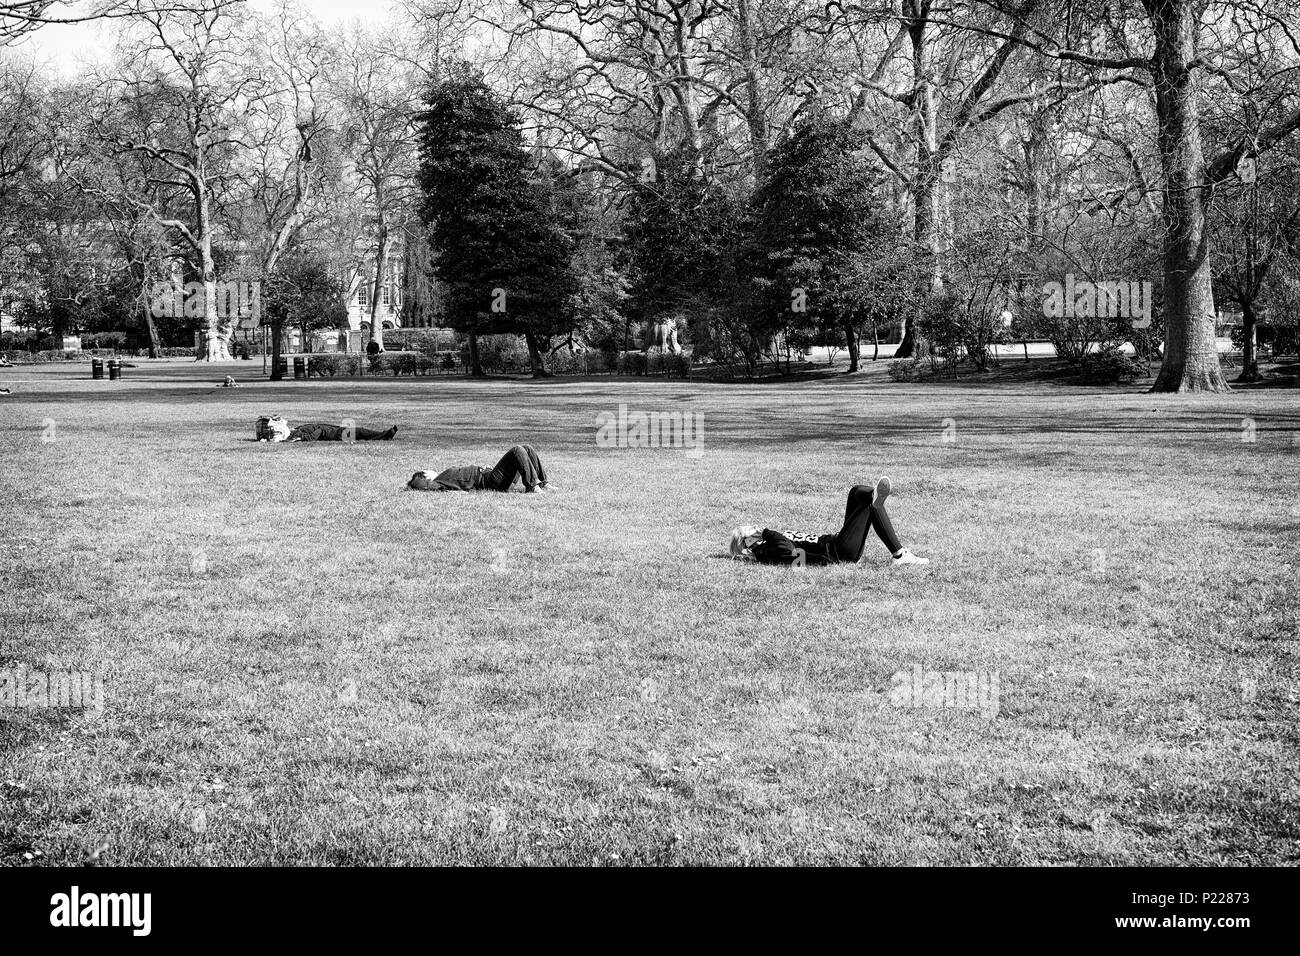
(300, 367)
(284, 368)
(114, 370)
(96, 368)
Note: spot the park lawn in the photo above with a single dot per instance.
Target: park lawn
(305, 664)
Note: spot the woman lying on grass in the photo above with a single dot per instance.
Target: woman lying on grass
(865, 511)
(519, 462)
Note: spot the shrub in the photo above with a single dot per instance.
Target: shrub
(958, 330)
(566, 362)
(103, 340)
(906, 370)
(503, 353)
(325, 363)
(632, 363)
(1110, 366)
(498, 353)
(678, 364)
(1286, 340)
(17, 341)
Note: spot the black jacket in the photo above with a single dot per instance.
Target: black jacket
(463, 478)
(791, 547)
(316, 433)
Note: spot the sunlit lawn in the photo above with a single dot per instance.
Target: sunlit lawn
(305, 664)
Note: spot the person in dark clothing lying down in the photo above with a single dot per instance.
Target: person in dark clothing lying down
(519, 462)
(319, 432)
(864, 511)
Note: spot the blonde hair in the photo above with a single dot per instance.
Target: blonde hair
(743, 538)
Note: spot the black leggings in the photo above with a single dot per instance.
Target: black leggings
(519, 462)
(862, 513)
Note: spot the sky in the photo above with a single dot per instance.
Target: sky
(66, 46)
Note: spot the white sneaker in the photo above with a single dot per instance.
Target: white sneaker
(883, 487)
(907, 557)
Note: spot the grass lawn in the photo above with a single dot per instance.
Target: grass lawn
(305, 664)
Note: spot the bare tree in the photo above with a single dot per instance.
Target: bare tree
(20, 17)
(378, 99)
(287, 162)
(186, 89)
(926, 78)
(1181, 45)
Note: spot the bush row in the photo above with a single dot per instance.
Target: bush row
(654, 363)
(22, 356)
(385, 363)
(505, 354)
(90, 342)
(1108, 365)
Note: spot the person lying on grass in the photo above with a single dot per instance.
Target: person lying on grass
(519, 462)
(865, 511)
(276, 429)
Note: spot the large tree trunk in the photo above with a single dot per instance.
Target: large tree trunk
(381, 259)
(277, 339)
(475, 365)
(754, 105)
(215, 338)
(1249, 351)
(155, 342)
(1034, 150)
(851, 342)
(141, 275)
(535, 356)
(58, 325)
(928, 193)
(1191, 362)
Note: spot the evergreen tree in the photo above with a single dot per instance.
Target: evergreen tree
(817, 228)
(494, 221)
(681, 232)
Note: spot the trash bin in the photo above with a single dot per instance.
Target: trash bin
(114, 370)
(284, 368)
(96, 368)
(299, 367)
